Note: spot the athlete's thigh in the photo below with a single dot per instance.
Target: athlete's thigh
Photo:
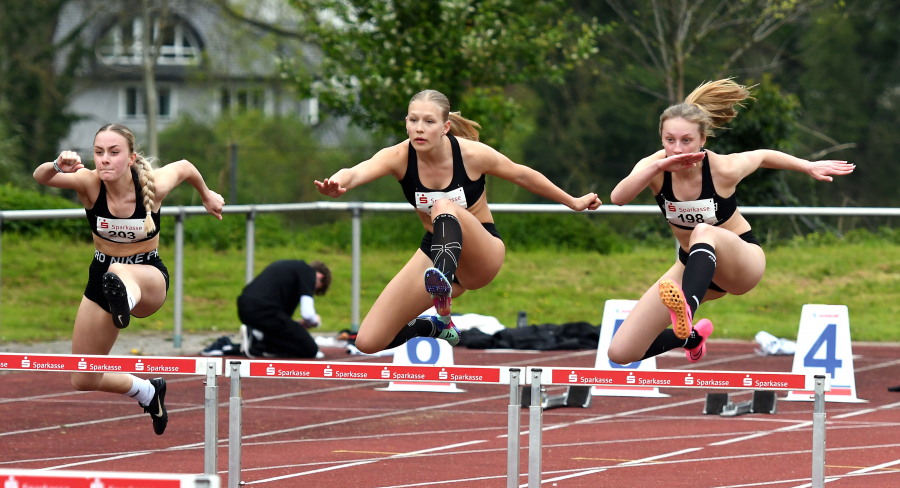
(402, 300)
(153, 288)
(94, 331)
(482, 254)
(647, 319)
(739, 265)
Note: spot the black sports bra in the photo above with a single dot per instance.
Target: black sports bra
(461, 190)
(114, 229)
(708, 208)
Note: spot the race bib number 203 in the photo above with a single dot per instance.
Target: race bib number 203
(121, 230)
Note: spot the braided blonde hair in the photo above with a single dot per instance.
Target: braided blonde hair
(459, 125)
(144, 168)
(710, 105)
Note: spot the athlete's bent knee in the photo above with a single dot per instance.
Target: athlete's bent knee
(443, 206)
(86, 382)
(117, 269)
(367, 344)
(621, 355)
(702, 233)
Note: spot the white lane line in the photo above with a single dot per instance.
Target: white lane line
(573, 475)
(396, 456)
(875, 468)
(854, 414)
(613, 415)
(91, 422)
(370, 417)
(123, 456)
(866, 410)
(799, 425)
(661, 456)
(716, 361)
(76, 392)
(876, 366)
(446, 482)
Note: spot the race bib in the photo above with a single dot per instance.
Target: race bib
(425, 200)
(689, 214)
(121, 230)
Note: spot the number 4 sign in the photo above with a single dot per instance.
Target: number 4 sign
(823, 346)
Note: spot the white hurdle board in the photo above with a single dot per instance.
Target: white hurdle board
(614, 313)
(823, 346)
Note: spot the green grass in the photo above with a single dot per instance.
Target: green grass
(43, 280)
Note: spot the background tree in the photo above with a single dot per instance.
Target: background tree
(34, 91)
(378, 54)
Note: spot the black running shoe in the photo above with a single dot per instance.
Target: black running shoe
(117, 296)
(157, 407)
(222, 347)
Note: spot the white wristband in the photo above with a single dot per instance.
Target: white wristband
(56, 166)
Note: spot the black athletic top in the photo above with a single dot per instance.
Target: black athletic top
(708, 208)
(282, 284)
(115, 229)
(461, 190)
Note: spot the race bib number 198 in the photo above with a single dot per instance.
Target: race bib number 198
(121, 230)
(689, 214)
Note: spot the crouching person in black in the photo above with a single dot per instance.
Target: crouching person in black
(267, 305)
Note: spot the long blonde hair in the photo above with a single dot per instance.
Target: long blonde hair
(459, 125)
(144, 170)
(710, 105)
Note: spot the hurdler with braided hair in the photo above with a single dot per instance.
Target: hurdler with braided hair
(441, 168)
(122, 197)
(696, 192)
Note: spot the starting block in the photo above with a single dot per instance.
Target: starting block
(720, 404)
(575, 396)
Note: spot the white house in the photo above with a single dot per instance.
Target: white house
(209, 63)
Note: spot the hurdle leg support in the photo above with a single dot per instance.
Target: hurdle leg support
(818, 447)
(535, 430)
(211, 434)
(234, 427)
(512, 431)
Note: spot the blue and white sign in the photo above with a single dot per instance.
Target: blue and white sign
(614, 314)
(823, 347)
(422, 351)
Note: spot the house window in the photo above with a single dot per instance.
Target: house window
(242, 99)
(122, 43)
(134, 103)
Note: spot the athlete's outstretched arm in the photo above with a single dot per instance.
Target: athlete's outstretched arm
(70, 178)
(750, 161)
(647, 169)
(383, 163)
(172, 174)
(496, 164)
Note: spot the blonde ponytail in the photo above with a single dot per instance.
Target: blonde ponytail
(148, 190)
(459, 125)
(463, 127)
(710, 105)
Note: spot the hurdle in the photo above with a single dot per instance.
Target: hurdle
(238, 370)
(732, 380)
(16, 478)
(72, 363)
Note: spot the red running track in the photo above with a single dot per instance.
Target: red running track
(347, 434)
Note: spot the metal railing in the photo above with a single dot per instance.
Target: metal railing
(357, 208)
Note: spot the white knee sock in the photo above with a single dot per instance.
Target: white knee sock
(131, 302)
(141, 390)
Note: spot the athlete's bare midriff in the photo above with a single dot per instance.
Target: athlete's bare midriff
(736, 224)
(125, 249)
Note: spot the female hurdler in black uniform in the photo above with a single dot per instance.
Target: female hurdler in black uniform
(441, 168)
(122, 199)
(695, 190)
